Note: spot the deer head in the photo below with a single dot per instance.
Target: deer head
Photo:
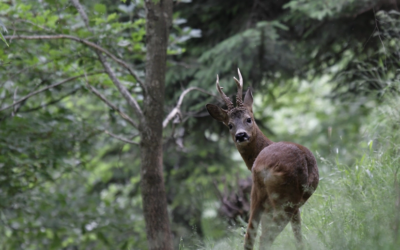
(239, 119)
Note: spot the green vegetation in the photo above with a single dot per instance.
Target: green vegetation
(324, 75)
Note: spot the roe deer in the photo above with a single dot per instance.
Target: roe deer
(285, 174)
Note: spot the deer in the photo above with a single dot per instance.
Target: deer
(284, 174)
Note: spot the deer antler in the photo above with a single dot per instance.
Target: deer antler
(239, 84)
(223, 96)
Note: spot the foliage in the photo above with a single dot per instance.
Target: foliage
(65, 183)
(318, 71)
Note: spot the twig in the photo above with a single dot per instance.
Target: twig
(29, 22)
(120, 138)
(15, 97)
(379, 35)
(223, 199)
(124, 92)
(52, 101)
(86, 42)
(176, 110)
(44, 89)
(104, 99)
(219, 194)
(82, 12)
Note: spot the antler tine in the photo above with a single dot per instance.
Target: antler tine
(223, 96)
(239, 84)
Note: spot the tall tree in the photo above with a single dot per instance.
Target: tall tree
(158, 21)
(148, 109)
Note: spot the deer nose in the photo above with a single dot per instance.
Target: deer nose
(241, 136)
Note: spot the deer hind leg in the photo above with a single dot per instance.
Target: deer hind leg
(296, 226)
(272, 225)
(255, 216)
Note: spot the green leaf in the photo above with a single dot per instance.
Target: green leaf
(103, 238)
(111, 17)
(100, 8)
(5, 30)
(3, 39)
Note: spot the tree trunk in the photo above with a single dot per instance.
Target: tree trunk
(158, 21)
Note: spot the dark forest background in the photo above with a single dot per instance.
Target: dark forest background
(325, 74)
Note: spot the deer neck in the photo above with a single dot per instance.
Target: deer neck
(250, 151)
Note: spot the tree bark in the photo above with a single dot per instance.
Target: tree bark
(158, 21)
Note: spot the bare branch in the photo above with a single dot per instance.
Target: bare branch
(13, 19)
(82, 12)
(14, 100)
(120, 138)
(44, 89)
(52, 101)
(124, 92)
(86, 42)
(104, 99)
(176, 110)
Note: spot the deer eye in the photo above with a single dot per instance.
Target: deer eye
(248, 120)
(230, 126)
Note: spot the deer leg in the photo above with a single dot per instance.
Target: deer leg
(272, 225)
(296, 226)
(254, 220)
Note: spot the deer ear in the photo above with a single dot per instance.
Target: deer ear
(248, 98)
(217, 113)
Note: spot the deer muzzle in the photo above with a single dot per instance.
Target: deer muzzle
(241, 137)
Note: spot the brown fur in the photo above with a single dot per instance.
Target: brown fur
(285, 175)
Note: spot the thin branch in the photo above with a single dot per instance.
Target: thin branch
(120, 138)
(44, 89)
(104, 99)
(219, 194)
(134, 136)
(86, 42)
(176, 110)
(82, 12)
(379, 35)
(223, 199)
(124, 92)
(52, 101)
(19, 72)
(14, 101)
(32, 23)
